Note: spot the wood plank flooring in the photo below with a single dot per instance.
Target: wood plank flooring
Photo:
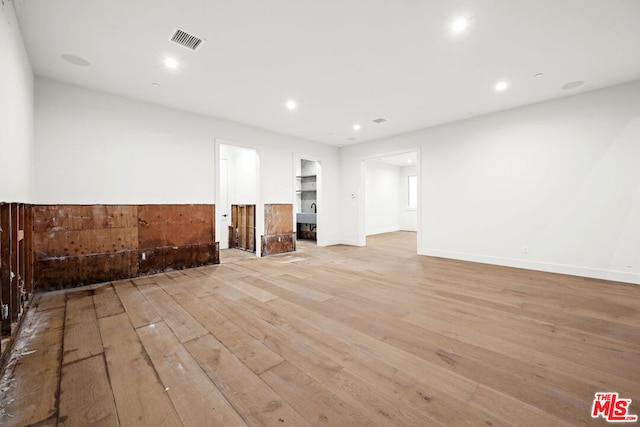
(337, 336)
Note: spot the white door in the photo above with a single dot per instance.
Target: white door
(224, 208)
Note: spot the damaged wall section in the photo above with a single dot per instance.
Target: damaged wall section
(176, 236)
(278, 229)
(76, 245)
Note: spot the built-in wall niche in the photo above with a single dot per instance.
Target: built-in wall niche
(307, 199)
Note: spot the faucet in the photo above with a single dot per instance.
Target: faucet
(315, 207)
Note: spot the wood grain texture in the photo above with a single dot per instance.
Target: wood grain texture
(86, 397)
(278, 218)
(175, 225)
(278, 235)
(81, 333)
(30, 381)
(256, 401)
(197, 401)
(140, 311)
(139, 394)
(331, 336)
(106, 301)
(76, 245)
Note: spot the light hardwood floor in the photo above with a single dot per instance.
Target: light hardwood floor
(338, 336)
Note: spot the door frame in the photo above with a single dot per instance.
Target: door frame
(259, 205)
(362, 206)
(222, 230)
(297, 158)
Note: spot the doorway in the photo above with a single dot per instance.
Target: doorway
(308, 173)
(392, 202)
(238, 185)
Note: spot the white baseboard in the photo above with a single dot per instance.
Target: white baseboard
(595, 273)
(332, 243)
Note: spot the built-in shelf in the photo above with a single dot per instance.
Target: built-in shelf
(307, 184)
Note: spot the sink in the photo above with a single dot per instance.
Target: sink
(306, 218)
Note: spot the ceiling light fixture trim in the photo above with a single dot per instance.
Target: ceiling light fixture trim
(75, 60)
(572, 85)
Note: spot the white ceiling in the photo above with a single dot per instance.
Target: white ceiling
(343, 61)
(401, 160)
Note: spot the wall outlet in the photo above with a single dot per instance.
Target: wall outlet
(143, 256)
(525, 249)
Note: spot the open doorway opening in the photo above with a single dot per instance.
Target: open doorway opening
(307, 198)
(238, 194)
(392, 202)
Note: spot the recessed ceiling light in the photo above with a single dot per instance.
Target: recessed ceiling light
(379, 120)
(154, 84)
(501, 85)
(291, 104)
(459, 25)
(572, 85)
(409, 160)
(75, 60)
(538, 75)
(171, 63)
(356, 127)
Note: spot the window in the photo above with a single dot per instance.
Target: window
(412, 198)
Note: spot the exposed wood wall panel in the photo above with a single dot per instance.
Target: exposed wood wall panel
(278, 244)
(178, 257)
(82, 244)
(5, 262)
(75, 245)
(15, 268)
(278, 219)
(175, 225)
(16, 289)
(176, 236)
(242, 232)
(278, 227)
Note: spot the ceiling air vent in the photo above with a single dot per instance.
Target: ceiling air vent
(379, 120)
(187, 40)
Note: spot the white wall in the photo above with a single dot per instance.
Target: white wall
(16, 111)
(242, 174)
(93, 147)
(408, 218)
(560, 178)
(382, 197)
